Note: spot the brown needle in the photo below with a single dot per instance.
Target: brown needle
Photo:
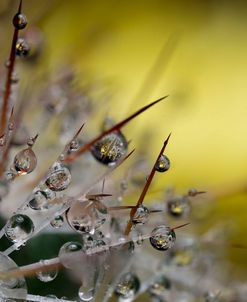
(145, 189)
(116, 127)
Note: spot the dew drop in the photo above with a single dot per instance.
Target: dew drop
(87, 216)
(59, 178)
(10, 174)
(128, 286)
(86, 294)
(70, 247)
(178, 207)
(11, 126)
(163, 164)
(192, 192)
(25, 161)
(57, 222)
(162, 238)
(40, 199)
(46, 276)
(19, 227)
(160, 286)
(74, 145)
(54, 297)
(7, 63)
(110, 148)
(2, 140)
(141, 215)
(14, 78)
(22, 48)
(182, 256)
(15, 287)
(20, 21)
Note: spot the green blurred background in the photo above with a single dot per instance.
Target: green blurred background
(195, 51)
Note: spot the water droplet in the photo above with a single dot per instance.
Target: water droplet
(7, 63)
(10, 174)
(87, 216)
(162, 238)
(22, 48)
(86, 294)
(50, 297)
(2, 140)
(11, 287)
(182, 256)
(160, 286)
(124, 185)
(25, 161)
(40, 199)
(14, 78)
(192, 192)
(19, 227)
(110, 148)
(128, 286)
(20, 21)
(70, 247)
(46, 276)
(178, 207)
(74, 145)
(163, 164)
(11, 126)
(57, 222)
(141, 215)
(59, 178)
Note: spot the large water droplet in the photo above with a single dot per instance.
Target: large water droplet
(40, 199)
(178, 207)
(70, 247)
(15, 287)
(110, 148)
(87, 216)
(85, 293)
(59, 178)
(162, 238)
(46, 276)
(25, 161)
(20, 21)
(22, 48)
(57, 222)
(160, 285)
(19, 227)
(141, 215)
(163, 164)
(127, 286)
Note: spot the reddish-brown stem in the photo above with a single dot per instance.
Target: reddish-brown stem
(180, 226)
(79, 131)
(116, 208)
(116, 127)
(95, 196)
(30, 270)
(145, 189)
(5, 151)
(7, 91)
